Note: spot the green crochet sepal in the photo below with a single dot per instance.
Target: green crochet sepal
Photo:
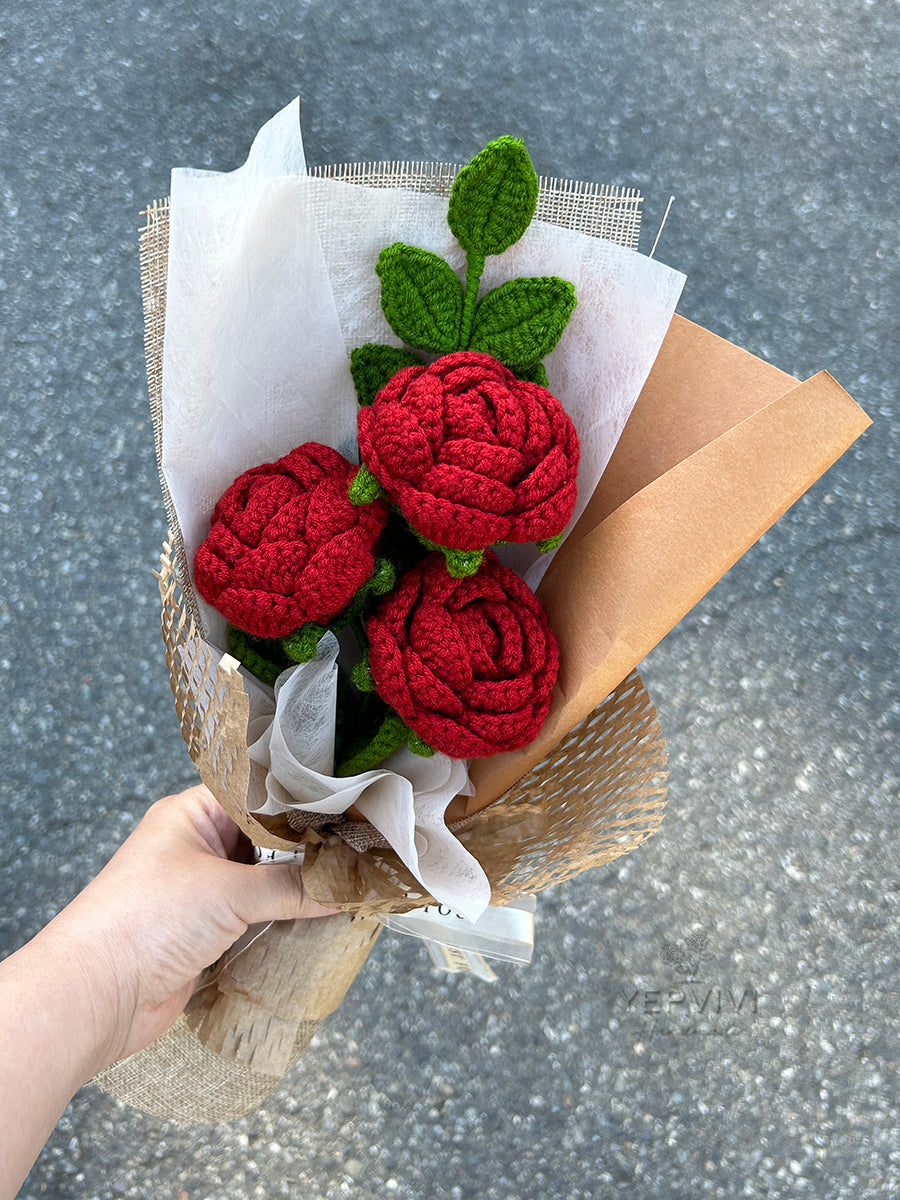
(263, 657)
(372, 365)
(521, 321)
(301, 645)
(365, 488)
(362, 674)
(545, 545)
(460, 563)
(379, 583)
(422, 298)
(493, 198)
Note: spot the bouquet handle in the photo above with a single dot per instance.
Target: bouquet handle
(248, 1022)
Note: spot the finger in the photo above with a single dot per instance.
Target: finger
(272, 892)
(216, 827)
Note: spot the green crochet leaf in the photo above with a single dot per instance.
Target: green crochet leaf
(493, 198)
(521, 321)
(422, 298)
(373, 365)
(536, 374)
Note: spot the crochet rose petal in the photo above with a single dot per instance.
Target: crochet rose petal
(499, 698)
(467, 431)
(286, 545)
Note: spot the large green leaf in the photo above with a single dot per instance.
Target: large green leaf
(493, 198)
(422, 298)
(521, 321)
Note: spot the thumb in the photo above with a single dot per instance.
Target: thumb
(272, 892)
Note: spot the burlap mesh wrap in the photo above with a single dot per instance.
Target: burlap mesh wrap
(599, 794)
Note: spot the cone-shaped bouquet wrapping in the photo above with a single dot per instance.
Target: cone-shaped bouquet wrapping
(261, 288)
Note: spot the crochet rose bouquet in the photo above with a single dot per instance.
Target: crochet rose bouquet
(452, 651)
(427, 515)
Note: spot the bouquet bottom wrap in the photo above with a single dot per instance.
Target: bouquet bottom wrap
(599, 794)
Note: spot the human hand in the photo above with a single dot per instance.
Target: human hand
(112, 971)
(176, 895)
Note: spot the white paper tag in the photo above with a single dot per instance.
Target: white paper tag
(262, 854)
(456, 944)
(460, 961)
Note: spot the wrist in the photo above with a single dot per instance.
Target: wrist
(55, 1034)
(81, 991)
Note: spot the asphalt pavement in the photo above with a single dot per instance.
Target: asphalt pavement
(774, 876)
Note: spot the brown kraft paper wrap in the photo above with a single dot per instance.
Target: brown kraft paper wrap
(719, 445)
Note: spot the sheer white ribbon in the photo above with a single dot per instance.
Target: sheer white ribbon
(404, 799)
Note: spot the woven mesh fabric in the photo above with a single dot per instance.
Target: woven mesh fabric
(178, 1079)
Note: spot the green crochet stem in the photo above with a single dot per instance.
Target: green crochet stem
(391, 734)
(379, 583)
(301, 645)
(474, 271)
(357, 624)
(262, 658)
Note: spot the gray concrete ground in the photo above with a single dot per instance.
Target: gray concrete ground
(776, 128)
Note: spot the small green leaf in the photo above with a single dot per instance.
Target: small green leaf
(373, 365)
(301, 646)
(535, 374)
(365, 488)
(493, 198)
(521, 321)
(422, 298)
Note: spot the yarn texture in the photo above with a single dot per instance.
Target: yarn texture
(286, 545)
(469, 664)
(470, 454)
(458, 452)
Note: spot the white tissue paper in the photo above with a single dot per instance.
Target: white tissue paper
(271, 284)
(404, 799)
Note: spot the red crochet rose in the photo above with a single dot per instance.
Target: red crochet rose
(286, 546)
(469, 664)
(471, 454)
